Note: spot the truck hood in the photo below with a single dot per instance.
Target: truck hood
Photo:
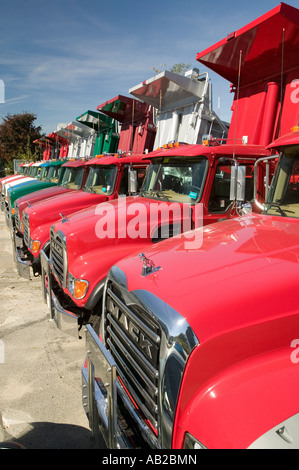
(47, 212)
(245, 273)
(28, 188)
(11, 184)
(111, 223)
(41, 195)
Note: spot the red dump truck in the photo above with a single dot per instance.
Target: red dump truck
(199, 347)
(185, 182)
(109, 177)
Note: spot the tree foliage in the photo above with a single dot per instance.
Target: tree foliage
(17, 133)
(180, 68)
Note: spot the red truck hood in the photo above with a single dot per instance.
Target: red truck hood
(47, 212)
(83, 228)
(41, 195)
(245, 273)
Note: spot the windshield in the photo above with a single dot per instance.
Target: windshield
(44, 172)
(53, 174)
(72, 178)
(101, 179)
(33, 171)
(283, 198)
(176, 181)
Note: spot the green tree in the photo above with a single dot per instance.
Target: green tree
(17, 133)
(180, 68)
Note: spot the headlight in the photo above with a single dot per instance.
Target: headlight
(35, 245)
(191, 443)
(76, 287)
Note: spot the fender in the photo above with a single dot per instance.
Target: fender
(250, 389)
(94, 265)
(96, 295)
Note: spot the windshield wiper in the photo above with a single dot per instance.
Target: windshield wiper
(89, 189)
(154, 192)
(279, 209)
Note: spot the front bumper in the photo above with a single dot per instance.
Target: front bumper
(25, 262)
(65, 320)
(101, 392)
(8, 217)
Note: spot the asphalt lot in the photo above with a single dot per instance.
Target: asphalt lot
(40, 366)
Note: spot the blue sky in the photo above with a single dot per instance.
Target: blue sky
(60, 58)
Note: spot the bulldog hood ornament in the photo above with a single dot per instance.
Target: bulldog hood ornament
(148, 265)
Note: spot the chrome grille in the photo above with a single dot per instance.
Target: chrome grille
(57, 246)
(133, 339)
(26, 229)
(17, 215)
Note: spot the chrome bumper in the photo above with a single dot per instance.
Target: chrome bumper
(45, 275)
(65, 320)
(8, 217)
(100, 392)
(23, 264)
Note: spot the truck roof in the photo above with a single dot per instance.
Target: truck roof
(75, 163)
(261, 44)
(53, 162)
(289, 139)
(241, 150)
(115, 159)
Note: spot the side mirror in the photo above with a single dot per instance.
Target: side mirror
(132, 181)
(237, 183)
(267, 179)
(244, 208)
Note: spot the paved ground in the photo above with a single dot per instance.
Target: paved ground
(40, 366)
